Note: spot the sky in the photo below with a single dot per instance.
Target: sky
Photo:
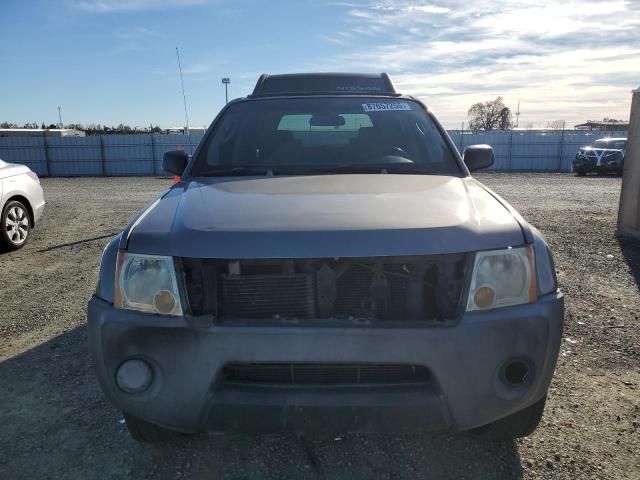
(114, 61)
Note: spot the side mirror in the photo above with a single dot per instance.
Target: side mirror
(477, 157)
(175, 161)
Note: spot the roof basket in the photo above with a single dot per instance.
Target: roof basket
(324, 84)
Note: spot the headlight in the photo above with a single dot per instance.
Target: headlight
(147, 283)
(502, 278)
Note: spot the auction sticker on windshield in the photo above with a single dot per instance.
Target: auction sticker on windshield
(385, 106)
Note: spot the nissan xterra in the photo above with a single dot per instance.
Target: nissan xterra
(327, 263)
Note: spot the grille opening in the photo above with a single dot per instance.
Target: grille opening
(326, 374)
(376, 288)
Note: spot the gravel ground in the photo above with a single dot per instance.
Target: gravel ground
(54, 422)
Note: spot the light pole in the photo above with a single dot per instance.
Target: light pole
(226, 82)
(629, 212)
(59, 117)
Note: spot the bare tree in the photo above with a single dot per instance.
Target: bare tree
(491, 115)
(612, 120)
(556, 124)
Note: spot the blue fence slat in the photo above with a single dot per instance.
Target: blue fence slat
(28, 151)
(74, 156)
(119, 155)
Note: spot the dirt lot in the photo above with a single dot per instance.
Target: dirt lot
(54, 422)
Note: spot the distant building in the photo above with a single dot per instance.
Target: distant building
(38, 132)
(609, 126)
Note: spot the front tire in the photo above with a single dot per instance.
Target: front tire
(581, 172)
(146, 432)
(519, 424)
(15, 225)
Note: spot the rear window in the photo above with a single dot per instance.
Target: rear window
(295, 134)
(309, 135)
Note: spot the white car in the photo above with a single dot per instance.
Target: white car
(21, 204)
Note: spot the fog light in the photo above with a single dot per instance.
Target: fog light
(517, 372)
(134, 376)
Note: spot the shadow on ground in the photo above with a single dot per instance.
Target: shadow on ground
(56, 424)
(630, 248)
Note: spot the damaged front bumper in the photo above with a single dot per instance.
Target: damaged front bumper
(467, 388)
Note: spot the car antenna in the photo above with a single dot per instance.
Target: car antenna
(184, 100)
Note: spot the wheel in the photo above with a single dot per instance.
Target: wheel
(16, 225)
(146, 432)
(519, 424)
(581, 173)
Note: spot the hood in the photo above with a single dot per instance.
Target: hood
(324, 216)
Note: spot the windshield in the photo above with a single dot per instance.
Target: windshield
(308, 135)
(611, 144)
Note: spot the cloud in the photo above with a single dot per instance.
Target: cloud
(135, 34)
(569, 60)
(197, 69)
(135, 38)
(108, 6)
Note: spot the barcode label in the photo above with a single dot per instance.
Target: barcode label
(385, 106)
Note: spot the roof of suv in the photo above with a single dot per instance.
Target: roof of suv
(324, 84)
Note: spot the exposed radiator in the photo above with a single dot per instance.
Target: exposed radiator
(268, 296)
(341, 289)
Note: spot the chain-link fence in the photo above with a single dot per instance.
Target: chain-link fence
(125, 155)
(531, 150)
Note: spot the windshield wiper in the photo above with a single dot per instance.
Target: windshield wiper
(247, 171)
(407, 168)
(237, 172)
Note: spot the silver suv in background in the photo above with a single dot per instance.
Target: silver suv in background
(327, 263)
(21, 204)
(605, 155)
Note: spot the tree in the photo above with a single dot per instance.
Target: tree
(491, 115)
(556, 124)
(8, 125)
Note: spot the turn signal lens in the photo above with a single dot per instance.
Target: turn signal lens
(164, 302)
(485, 297)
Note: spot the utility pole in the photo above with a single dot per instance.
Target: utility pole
(59, 117)
(629, 212)
(518, 115)
(226, 82)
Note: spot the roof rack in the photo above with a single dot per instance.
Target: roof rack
(324, 84)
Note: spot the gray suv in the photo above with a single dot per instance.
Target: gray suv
(327, 263)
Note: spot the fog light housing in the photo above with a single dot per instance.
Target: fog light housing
(517, 372)
(134, 376)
